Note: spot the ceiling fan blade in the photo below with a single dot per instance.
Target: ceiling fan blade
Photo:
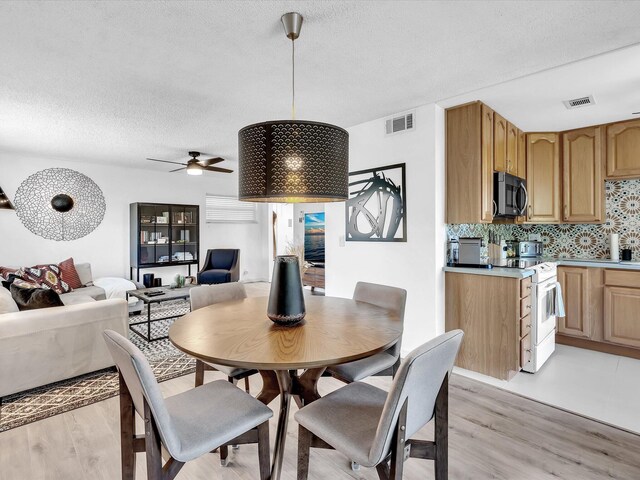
(177, 169)
(211, 161)
(217, 169)
(166, 161)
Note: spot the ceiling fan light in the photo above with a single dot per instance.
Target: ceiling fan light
(194, 169)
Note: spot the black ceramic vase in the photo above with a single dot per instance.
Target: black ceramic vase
(286, 300)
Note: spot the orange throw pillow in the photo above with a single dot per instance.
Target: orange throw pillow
(70, 274)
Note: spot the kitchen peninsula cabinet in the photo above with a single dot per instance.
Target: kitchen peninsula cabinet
(583, 175)
(543, 178)
(494, 313)
(623, 149)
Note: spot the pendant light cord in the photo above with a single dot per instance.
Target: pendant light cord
(293, 79)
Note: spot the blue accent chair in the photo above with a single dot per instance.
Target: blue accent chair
(220, 266)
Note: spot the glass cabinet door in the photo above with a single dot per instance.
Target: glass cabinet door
(147, 238)
(184, 234)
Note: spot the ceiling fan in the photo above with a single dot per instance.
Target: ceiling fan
(196, 166)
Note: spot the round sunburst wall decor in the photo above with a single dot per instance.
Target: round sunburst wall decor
(60, 204)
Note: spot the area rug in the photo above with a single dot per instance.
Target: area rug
(42, 402)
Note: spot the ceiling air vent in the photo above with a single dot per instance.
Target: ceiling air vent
(579, 102)
(399, 123)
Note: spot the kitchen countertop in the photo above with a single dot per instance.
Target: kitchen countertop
(495, 272)
(569, 262)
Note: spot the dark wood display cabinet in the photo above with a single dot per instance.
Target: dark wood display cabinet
(163, 235)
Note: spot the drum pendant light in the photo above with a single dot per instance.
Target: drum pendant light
(293, 161)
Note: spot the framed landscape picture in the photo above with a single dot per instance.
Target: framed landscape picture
(314, 238)
(376, 208)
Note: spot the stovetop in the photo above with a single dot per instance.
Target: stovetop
(521, 263)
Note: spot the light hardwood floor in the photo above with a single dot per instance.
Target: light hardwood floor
(494, 434)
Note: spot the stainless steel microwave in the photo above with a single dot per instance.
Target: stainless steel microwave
(510, 197)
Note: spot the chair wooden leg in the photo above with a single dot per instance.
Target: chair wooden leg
(442, 431)
(127, 432)
(152, 445)
(304, 448)
(246, 385)
(399, 440)
(199, 373)
(264, 462)
(224, 453)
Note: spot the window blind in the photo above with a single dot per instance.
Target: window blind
(229, 210)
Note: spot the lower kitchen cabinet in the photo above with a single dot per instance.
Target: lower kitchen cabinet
(602, 308)
(574, 282)
(622, 315)
(494, 313)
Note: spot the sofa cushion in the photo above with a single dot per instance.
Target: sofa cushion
(70, 274)
(7, 303)
(96, 293)
(32, 298)
(74, 298)
(84, 273)
(46, 275)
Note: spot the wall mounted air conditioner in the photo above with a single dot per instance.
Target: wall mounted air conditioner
(400, 123)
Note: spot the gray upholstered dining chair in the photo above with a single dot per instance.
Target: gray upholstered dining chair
(188, 424)
(383, 363)
(204, 296)
(373, 428)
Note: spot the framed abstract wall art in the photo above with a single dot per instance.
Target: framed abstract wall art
(376, 208)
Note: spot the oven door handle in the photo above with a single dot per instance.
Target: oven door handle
(526, 198)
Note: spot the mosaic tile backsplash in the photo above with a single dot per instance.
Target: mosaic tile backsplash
(577, 241)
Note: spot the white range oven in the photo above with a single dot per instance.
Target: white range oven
(544, 301)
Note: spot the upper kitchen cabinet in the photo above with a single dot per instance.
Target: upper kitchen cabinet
(543, 178)
(582, 179)
(469, 151)
(522, 154)
(623, 149)
(512, 150)
(500, 129)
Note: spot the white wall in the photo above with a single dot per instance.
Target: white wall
(415, 265)
(107, 247)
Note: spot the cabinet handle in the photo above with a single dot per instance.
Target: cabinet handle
(529, 213)
(529, 287)
(565, 213)
(529, 307)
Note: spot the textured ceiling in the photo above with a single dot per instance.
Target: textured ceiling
(119, 81)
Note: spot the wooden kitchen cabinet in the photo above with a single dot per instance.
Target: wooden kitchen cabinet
(574, 282)
(522, 154)
(494, 313)
(583, 175)
(469, 158)
(622, 307)
(512, 149)
(623, 149)
(622, 315)
(543, 178)
(500, 129)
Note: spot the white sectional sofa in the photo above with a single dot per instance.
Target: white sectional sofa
(47, 345)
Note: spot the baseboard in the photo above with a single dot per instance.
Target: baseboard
(598, 346)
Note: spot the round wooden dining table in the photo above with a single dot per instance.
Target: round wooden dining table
(238, 333)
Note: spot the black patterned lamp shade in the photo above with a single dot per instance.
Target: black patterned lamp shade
(5, 203)
(293, 161)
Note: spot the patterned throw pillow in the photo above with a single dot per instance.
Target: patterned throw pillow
(70, 274)
(46, 276)
(6, 271)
